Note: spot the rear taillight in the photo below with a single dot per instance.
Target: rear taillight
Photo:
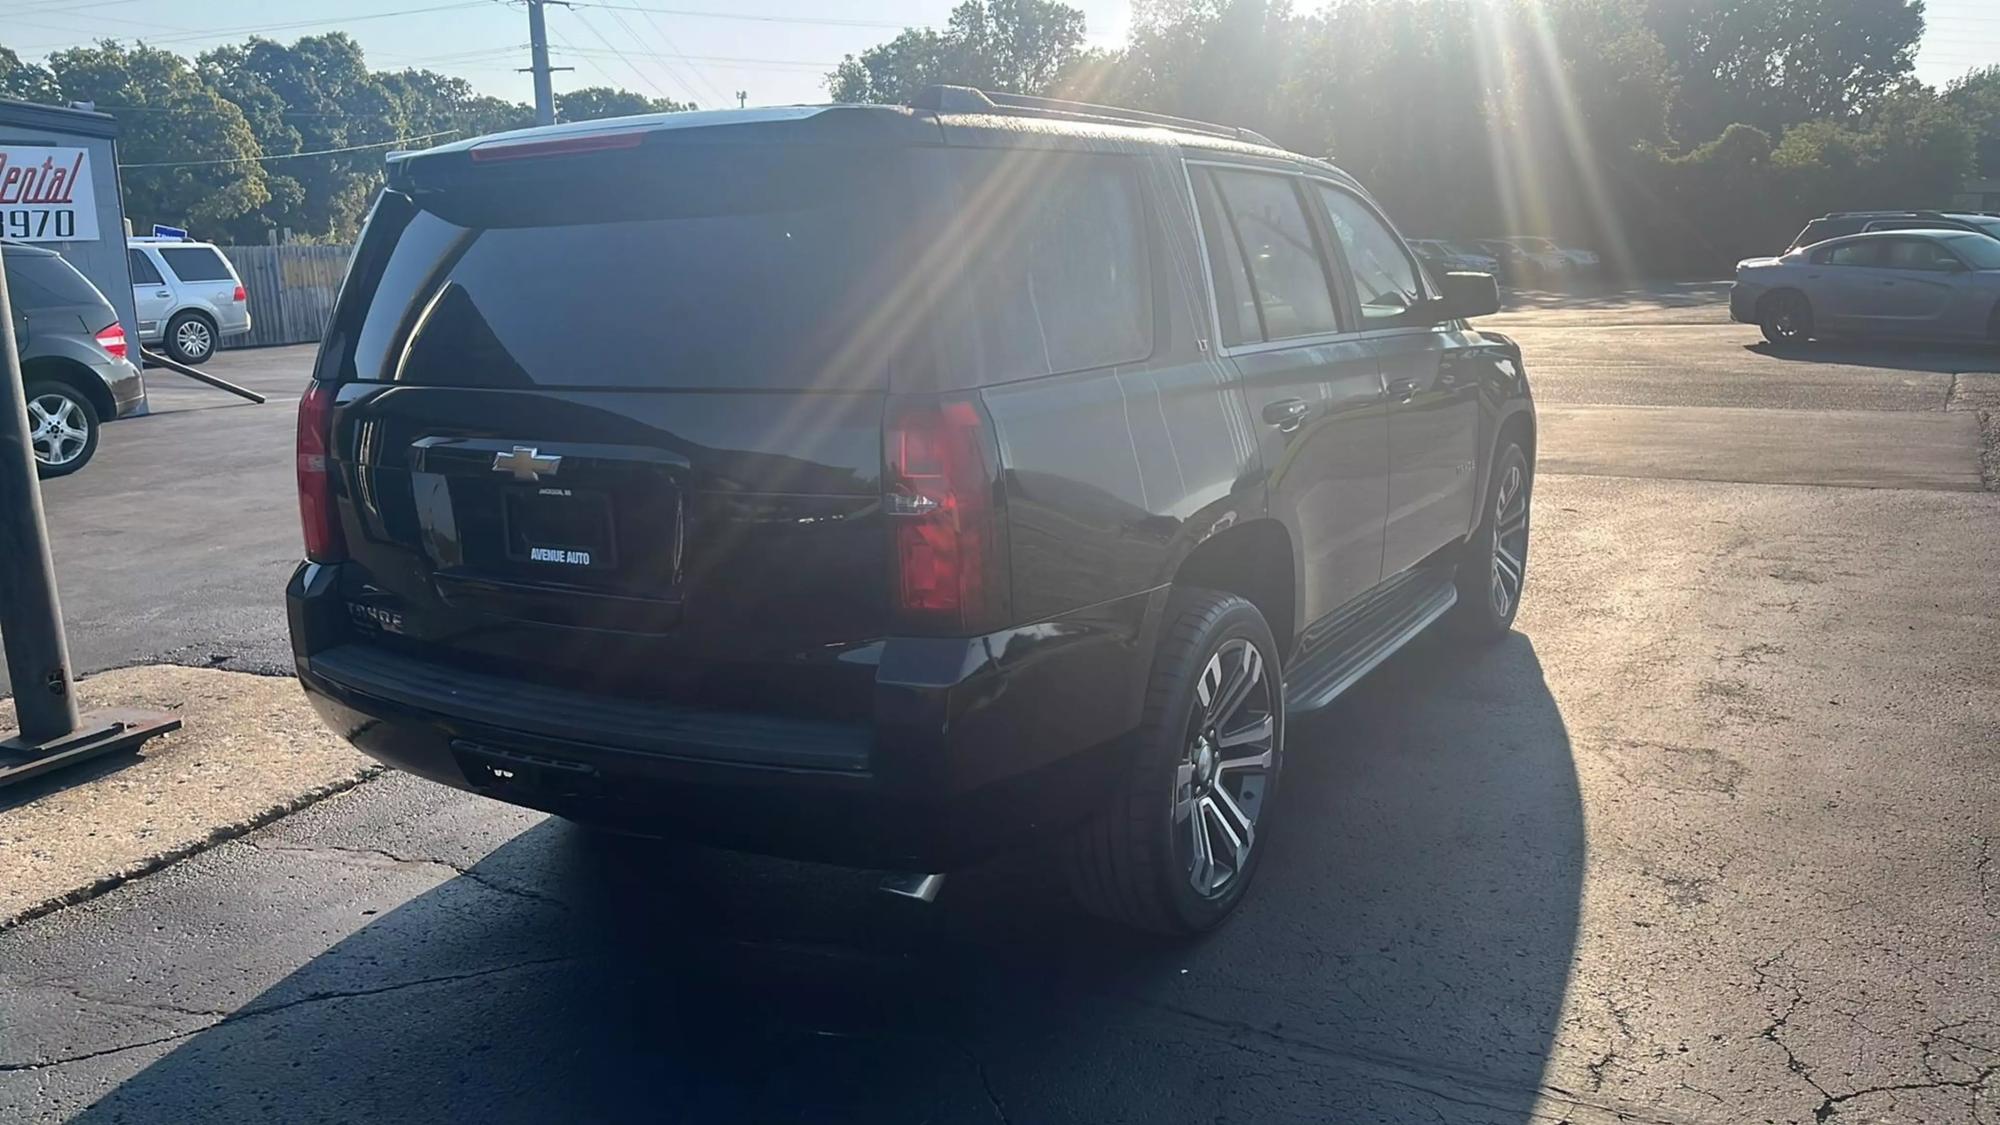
(239, 296)
(324, 542)
(487, 151)
(112, 340)
(942, 499)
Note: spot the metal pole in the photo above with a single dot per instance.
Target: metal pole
(30, 618)
(538, 48)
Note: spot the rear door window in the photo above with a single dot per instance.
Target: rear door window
(756, 267)
(143, 272)
(1867, 252)
(196, 263)
(1287, 277)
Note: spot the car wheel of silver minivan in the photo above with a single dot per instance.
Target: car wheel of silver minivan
(62, 428)
(190, 338)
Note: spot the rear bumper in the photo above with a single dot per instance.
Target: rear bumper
(975, 743)
(127, 386)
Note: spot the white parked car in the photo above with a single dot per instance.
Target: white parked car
(187, 295)
(1580, 261)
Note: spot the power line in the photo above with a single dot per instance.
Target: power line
(253, 29)
(613, 47)
(819, 21)
(288, 155)
(676, 49)
(813, 64)
(632, 36)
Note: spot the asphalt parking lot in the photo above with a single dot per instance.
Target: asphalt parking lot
(1711, 838)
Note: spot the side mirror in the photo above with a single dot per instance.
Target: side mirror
(1951, 265)
(1466, 295)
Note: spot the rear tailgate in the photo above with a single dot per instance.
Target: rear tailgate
(615, 423)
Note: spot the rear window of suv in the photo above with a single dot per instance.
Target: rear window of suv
(758, 267)
(49, 282)
(729, 267)
(196, 263)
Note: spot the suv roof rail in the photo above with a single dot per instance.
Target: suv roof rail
(969, 99)
(1900, 213)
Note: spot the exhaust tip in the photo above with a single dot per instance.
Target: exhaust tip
(923, 888)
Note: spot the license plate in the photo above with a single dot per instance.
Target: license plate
(559, 527)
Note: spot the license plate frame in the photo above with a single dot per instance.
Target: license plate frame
(558, 528)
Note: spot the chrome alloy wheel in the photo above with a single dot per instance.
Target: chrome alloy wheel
(1510, 539)
(57, 430)
(1225, 770)
(194, 339)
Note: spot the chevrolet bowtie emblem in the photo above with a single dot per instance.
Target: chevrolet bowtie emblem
(526, 463)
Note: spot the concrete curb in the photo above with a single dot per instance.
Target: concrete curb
(251, 751)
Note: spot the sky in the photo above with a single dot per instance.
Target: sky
(705, 51)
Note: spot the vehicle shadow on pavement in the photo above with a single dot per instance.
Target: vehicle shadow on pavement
(1403, 957)
(1913, 355)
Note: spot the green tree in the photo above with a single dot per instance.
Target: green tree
(1975, 97)
(1775, 63)
(594, 102)
(190, 158)
(432, 103)
(307, 98)
(1021, 46)
(25, 81)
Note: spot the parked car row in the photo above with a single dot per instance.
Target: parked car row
(1516, 260)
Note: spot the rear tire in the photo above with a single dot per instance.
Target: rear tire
(62, 428)
(1786, 318)
(190, 338)
(1177, 848)
(1493, 570)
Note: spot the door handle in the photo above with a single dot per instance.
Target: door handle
(163, 293)
(1286, 413)
(1402, 390)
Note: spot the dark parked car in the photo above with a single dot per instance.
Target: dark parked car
(74, 365)
(890, 485)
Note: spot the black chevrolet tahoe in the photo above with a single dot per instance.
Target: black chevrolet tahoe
(886, 486)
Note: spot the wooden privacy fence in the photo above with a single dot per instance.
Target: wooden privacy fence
(290, 290)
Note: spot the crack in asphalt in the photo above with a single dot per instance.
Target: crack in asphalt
(1772, 1033)
(471, 873)
(985, 1082)
(255, 1012)
(1830, 1103)
(1989, 890)
(1411, 1074)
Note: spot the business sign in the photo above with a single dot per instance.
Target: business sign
(46, 194)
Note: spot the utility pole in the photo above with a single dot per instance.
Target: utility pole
(538, 57)
(741, 97)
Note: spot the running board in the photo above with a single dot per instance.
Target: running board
(1355, 651)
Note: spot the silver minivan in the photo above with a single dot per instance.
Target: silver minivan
(187, 295)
